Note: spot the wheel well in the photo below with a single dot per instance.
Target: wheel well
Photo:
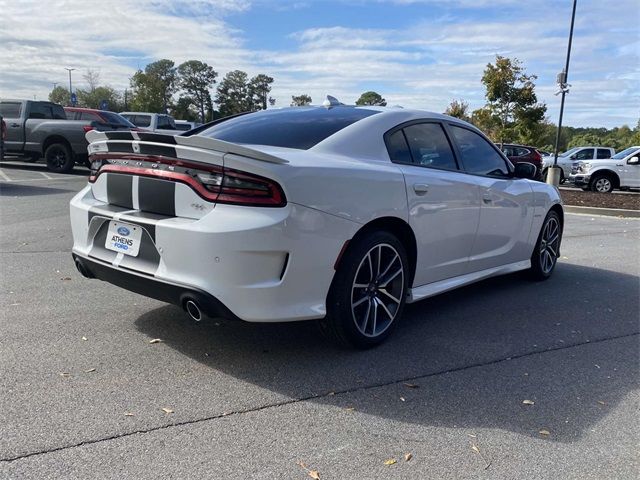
(400, 229)
(559, 210)
(613, 176)
(55, 139)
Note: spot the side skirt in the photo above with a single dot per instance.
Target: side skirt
(424, 291)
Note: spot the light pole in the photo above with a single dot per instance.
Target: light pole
(70, 91)
(553, 175)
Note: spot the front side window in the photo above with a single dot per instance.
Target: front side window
(604, 153)
(478, 156)
(429, 146)
(521, 152)
(586, 154)
(165, 123)
(141, 120)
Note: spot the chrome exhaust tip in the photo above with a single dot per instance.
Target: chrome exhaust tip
(193, 310)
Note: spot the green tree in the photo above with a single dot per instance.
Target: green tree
(59, 95)
(196, 78)
(300, 100)
(93, 99)
(511, 98)
(154, 87)
(371, 98)
(259, 88)
(234, 95)
(487, 121)
(185, 109)
(458, 109)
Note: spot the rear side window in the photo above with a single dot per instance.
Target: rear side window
(586, 154)
(521, 152)
(70, 115)
(478, 156)
(183, 126)
(604, 153)
(57, 112)
(299, 127)
(41, 111)
(141, 120)
(10, 109)
(165, 123)
(508, 151)
(429, 146)
(398, 148)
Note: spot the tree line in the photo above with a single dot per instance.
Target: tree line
(512, 113)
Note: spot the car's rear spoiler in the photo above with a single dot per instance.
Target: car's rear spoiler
(188, 148)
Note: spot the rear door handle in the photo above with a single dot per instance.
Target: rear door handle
(420, 188)
(15, 125)
(486, 198)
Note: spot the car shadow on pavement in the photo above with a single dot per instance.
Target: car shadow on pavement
(465, 359)
(20, 190)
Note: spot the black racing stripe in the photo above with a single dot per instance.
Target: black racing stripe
(126, 135)
(120, 147)
(157, 137)
(105, 211)
(165, 151)
(147, 260)
(119, 190)
(157, 196)
(144, 219)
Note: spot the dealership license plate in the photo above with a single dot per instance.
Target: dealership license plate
(124, 238)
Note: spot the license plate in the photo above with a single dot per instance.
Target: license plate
(124, 238)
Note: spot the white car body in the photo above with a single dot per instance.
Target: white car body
(277, 264)
(153, 122)
(620, 171)
(566, 160)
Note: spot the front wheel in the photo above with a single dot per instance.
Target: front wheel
(59, 158)
(547, 249)
(368, 292)
(602, 184)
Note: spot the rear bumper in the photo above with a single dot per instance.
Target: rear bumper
(153, 288)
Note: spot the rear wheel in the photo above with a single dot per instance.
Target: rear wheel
(368, 292)
(547, 249)
(602, 183)
(59, 158)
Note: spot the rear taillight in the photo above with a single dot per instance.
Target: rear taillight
(88, 128)
(537, 156)
(213, 183)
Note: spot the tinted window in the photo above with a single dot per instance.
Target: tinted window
(58, 112)
(586, 154)
(299, 127)
(183, 126)
(10, 109)
(508, 151)
(624, 153)
(429, 146)
(92, 117)
(41, 110)
(140, 120)
(115, 119)
(478, 156)
(165, 123)
(398, 148)
(521, 152)
(70, 115)
(604, 153)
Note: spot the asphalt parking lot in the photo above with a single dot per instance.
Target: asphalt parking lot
(83, 385)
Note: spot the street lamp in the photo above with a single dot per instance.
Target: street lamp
(70, 91)
(553, 175)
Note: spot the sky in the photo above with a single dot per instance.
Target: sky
(415, 53)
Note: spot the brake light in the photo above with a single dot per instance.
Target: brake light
(88, 128)
(213, 183)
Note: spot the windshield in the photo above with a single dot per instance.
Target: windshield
(569, 152)
(115, 119)
(297, 127)
(624, 153)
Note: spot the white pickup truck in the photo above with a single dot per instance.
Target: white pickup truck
(620, 171)
(566, 159)
(153, 122)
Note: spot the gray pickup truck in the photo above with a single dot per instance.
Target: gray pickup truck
(36, 129)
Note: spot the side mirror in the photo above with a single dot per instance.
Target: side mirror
(525, 170)
(633, 161)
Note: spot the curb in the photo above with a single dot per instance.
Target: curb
(610, 212)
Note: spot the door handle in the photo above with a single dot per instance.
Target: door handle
(486, 198)
(420, 188)
(15, 125)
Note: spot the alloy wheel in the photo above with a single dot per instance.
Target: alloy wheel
(377, 290)
(603, 185)
(549, 245)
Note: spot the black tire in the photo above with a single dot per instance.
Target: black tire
(350, 321)
(31, 158)
(547, 250)
(59, 158)
(563, 179)
(601, 183)
(586, 189)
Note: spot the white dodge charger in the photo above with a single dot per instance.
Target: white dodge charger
(336, 213)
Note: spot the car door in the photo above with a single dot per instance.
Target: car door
(444, 204)
(506, 209)
(11, 112)
(631, 172)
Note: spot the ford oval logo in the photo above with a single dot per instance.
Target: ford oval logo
(124, 231)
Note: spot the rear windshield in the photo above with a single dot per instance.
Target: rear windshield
(115, 119)
(298, 127)
(183, 126)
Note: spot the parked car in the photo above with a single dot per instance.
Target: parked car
(566, 159)
(3, 136)
(103, 119)
(37, 128)
(339, 213)
(185, 126)
(523, 153)
(620, 171)
(153, 122)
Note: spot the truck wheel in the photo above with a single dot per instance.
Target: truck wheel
(59, 158)
(602, 183)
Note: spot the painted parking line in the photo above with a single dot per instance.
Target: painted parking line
(4, 176)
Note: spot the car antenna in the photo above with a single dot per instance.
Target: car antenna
(331, 102)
